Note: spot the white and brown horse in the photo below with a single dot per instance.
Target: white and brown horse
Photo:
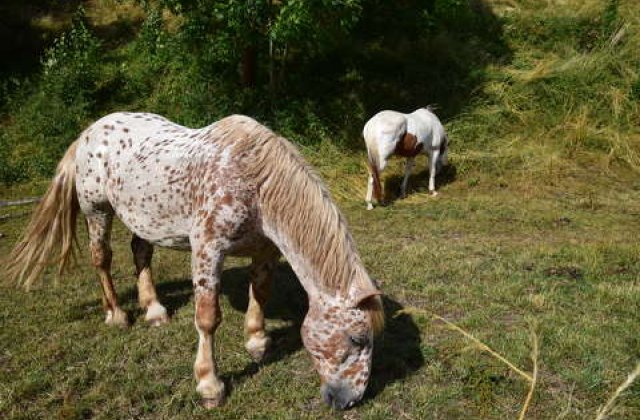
(232, 188)
(391, 133)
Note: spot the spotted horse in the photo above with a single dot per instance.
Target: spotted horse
(231, 188)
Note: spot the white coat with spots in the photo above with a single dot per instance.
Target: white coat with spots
(231, 188)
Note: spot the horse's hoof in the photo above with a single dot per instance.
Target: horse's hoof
(117, 318)
(211, 403)
(211, 392)
(257, 347)
(369, 206)
(158, 322)
(156, 315)
(434, 193)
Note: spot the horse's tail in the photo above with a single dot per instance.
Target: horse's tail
(444, 149)
(52, 229)
(374, 169)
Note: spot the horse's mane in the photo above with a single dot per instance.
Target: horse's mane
(297, 203)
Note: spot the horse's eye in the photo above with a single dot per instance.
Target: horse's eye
(359, 340)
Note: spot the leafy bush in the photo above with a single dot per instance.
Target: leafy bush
(315, 73)
(51, 114)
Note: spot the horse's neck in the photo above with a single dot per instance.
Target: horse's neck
(299, 261)
(302, 264)
(298, 215)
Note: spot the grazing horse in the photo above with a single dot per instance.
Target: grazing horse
(231, 188)
(392, 133)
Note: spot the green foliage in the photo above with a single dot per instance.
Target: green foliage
(51, 114)
(152, 38)
(315, 71)
(70, 66)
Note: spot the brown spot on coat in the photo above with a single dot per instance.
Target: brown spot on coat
(207, 311)
(352, 370)
(408, 146)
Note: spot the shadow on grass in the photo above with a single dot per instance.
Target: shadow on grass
(397, 351)
(288, 302)
(418, 182)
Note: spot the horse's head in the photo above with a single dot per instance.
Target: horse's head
(339, 335)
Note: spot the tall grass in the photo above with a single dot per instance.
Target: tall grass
(529, 90)
(567, 103)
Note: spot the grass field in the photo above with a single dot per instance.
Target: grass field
(535, 237)
(500, 263)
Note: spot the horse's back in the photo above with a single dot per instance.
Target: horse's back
(165, 181)
(140, 166)
(426, 126)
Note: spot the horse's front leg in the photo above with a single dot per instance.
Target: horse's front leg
(433, 166)
(206, 267)
(147, 297)
(261, 272)
(369, 192)
(408, 167)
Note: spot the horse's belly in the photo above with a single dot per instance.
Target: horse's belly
(408, 146)
(157, 228)
(174, 242)
(250, 243)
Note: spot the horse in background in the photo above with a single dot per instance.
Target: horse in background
(231, 188)
(393, 133)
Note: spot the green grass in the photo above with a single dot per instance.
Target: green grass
(495, 262)
(536, 227)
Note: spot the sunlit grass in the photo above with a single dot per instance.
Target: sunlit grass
(536, 224)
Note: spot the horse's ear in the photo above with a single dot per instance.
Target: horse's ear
(362, 296)
(370, 301)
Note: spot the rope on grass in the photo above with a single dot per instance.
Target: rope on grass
(479, 343)
(534, 381)
(20, 202)
(602, 414)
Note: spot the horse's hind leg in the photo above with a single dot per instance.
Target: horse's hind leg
(99, 226)
(408, 167)
(261, 272)
(142, 253)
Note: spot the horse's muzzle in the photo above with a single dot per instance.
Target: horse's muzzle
(339, 397)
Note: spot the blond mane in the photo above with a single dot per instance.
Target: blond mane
(298, 204)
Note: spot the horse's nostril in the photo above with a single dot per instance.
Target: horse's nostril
(338, 397)
(327, 396)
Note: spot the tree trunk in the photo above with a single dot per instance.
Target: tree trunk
(249, 66)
